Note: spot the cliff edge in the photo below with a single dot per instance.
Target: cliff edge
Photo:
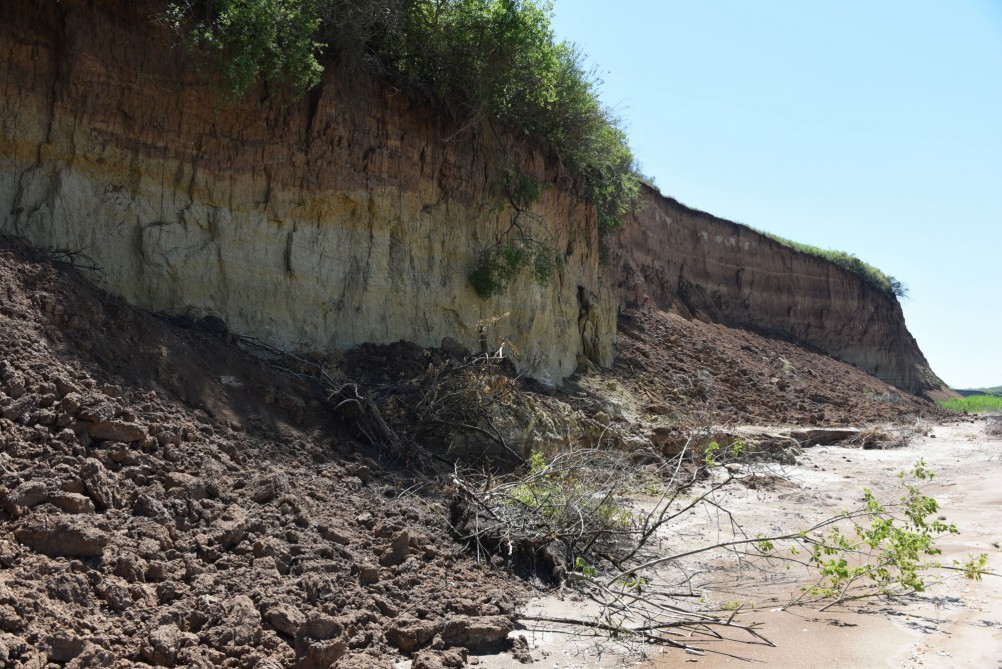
(679, 259)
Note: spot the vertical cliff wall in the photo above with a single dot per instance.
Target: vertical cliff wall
(681, 259)
(340, 220)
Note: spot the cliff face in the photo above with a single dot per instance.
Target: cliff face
(701, 266)
(354, 217)
(337, 221)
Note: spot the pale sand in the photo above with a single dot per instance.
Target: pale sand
(956, 624)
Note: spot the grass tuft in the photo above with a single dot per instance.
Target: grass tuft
(974, 404)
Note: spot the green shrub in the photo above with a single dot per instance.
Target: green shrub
(247, 40)
(499, 266)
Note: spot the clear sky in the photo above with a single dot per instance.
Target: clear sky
(868, 126)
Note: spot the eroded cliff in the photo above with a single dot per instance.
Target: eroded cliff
(683, 260)
(336, 221)
(356, 216)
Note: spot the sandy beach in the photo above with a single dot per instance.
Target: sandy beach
(955, 624)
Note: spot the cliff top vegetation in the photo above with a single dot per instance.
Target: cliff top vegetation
(849, 262)
(493, 64)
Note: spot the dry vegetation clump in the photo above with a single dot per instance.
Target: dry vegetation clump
(881, 437)
(993, 426)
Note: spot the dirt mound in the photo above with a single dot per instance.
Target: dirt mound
(691, 371)
(169, 500)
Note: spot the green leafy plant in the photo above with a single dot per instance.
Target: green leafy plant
(712, 453)
(883, 550)
(245, 41)
(581, 566)
(498, 266)
(974, 404)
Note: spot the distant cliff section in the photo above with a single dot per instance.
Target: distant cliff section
(684, 260)
(342, 219)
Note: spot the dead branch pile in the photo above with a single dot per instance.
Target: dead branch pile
(574, 512)
(413, 403)
(571, 520)
(884, 436)
(588, 520)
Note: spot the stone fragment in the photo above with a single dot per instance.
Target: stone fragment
(26, 495)
(368, 574)
(62, 536)
(454, 348)
(115, 430)
(286, 619)
(318, 643)
(92, 657)
(333, 535)
(319, 653)
(163, 644)
(10, 619)
(64, 386)
(397, 553)
(70, 588)
(62, 646)
(450, 658)
(96, 409)
(408, 633)
(231, 528)
(115, 592)
(476, 633)
(13, 383)
(131, 567)
(71, 403)
(99, 484)
(147, 506)
(266, 488)
(241, 625)
(18, 408)
(189, 486)
(72, 502)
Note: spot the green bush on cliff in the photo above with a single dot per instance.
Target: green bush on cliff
(498, 266)
(492, 64)
(247, 40)
(497, 61)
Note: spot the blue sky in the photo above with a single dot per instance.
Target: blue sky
(863, 126)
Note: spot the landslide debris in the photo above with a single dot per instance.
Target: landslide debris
(689, 371)
(168, 500)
